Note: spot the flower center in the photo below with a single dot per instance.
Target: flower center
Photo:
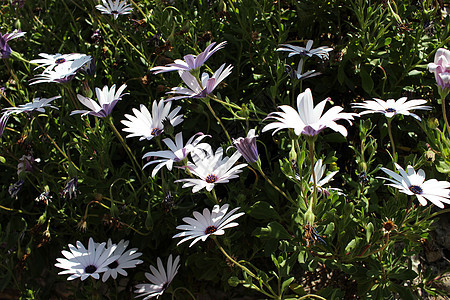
(113, 265)
(114, 12)
(156, 131)
(210, 229)
(60, 60)
(416, 189)
(90, 269)
(211, 178)
(390, 110)
(165, 285)
(388, 226)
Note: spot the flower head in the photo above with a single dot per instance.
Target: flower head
(61, 74)
(412, 183)
(146, 125)
(127, 259)
(319, 171)
(321, 52)
(70, 189)
(178, 151)
(247, 146)
(114, 8)
(73, 61)
(38, 104)
(209, 223)
(197, 90)
(308, 120)
(298, 74)
(107, 99)
(211, 169)
(3, 120)
(5, 49)
(441, 68)
(160, 279)
(392, 107)
(190, 62)
(83, 263)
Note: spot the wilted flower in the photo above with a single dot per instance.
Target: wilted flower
(392, 107)
(196, 89)
(178, 152)
(412, 183)
(190, 62)
(70, 190)
(107, 99)
(298, 74)
(15, 188)
(127, 259)
(26, 163)
(5, 49)
(146, 125)
(388, 226)
(73, 61)
(83, 263)
(308, 120)
(321, 52)
(441, 68)
(211, 169)
(247, 146)
(44, 197)
(114, 8)
(209, 223)
(160, 279)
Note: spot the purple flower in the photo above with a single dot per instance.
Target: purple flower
(70, 190)
(107, 99)
(15, 188)
(26, 163)
(5, 49)
(247, 146)
(441, 68)
(190, 62)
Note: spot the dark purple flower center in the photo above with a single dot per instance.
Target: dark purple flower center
(416, 189)
(115, 12)
(60, 60)
(390, 110)
(113, 265)
(211, 178)
(90, 269)
(156, 131)
(165, 285)
(210, 229)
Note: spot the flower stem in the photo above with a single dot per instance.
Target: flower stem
(185, 289)
(447, 127)
(208, 104)
(391, 138)
(258, 167)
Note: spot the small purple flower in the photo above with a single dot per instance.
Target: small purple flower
(441, 68)
(70, 190)
(5, 49)
(26, 163)
(247, 146)
(15, 188)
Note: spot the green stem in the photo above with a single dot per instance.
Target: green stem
(208, 104)
(391, 138)
(311, 296)
(214, 196)
(258, 167)
(185, 289)
(447, 127)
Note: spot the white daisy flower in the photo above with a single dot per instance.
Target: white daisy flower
(178, 152)
(196, 89)
(190, 62)
(114, 8)
(50, 61)
(127, 259)
(392, 107)
(319, 171)
(38, 104)
(146, 125)
(211, 169)
(107, 99)
(60, 74)
(83, 263)
(298, 74)
(321, 52)
(160, 279)
(308, 120)
(412, 183)
(208, 223)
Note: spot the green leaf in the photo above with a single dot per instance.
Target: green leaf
(366, 81)
(273, 230)
(369, 231)
(286, 283)
(233, 281)
(263, 211)
(403, 274)
(404, 292)
(2, 159)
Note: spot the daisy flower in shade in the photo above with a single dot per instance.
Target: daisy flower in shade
(319, 171)
(412, 183)
(298, 74)
(211, 169)
(107, 99)
(50, 61)
(321, 52)
(83, 263)
(5, 49)
(160, 279)
(392, 107)
(441, 68)
(208, 223)
(308, 120)
(190, 62)
(3, 120)
(114, 8)
(247, 146)
(178, 151)
(146, 125)
(38, 104)
(127, 259)
(61, 74)
(197, 90)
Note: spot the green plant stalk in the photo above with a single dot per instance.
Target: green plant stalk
(447, 127)
(391, 138)
(185, 289)
(208, 104)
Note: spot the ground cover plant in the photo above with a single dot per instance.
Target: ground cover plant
(222, 149)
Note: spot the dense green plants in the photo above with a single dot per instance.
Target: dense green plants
(279, 194)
